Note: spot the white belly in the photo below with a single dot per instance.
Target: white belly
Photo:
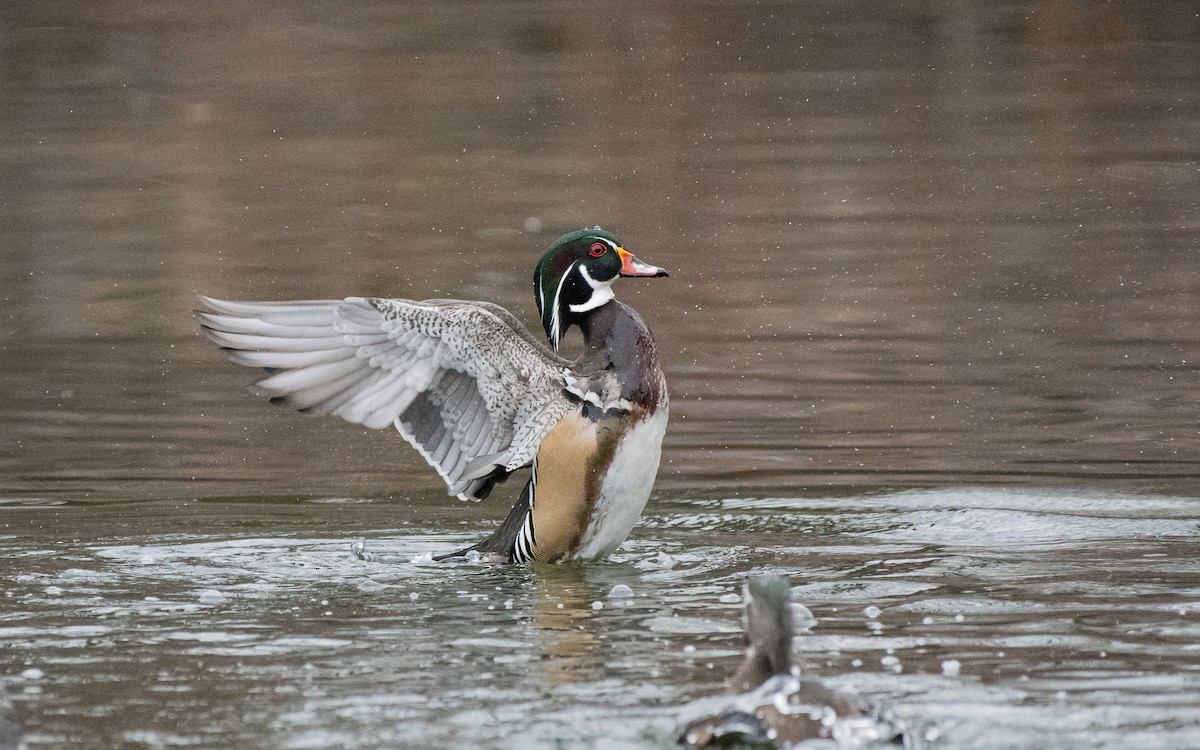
(626, 487)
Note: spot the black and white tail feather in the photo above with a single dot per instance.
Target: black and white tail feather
(523, 546)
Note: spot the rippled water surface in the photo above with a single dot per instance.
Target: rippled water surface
(931, 334)
(1001, 619)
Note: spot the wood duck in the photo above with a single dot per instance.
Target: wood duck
(480, 397)
(769, 703)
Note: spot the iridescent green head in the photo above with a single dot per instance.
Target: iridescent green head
(575, 276)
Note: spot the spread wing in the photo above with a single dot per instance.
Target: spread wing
(464, 382)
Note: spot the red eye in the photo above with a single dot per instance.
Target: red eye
(598, 249)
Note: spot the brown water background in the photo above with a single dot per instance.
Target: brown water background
(938, 253)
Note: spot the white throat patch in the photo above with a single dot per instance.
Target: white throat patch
(601, 292)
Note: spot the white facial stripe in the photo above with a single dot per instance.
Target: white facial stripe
(556, 326)
(601, 292)
(541, 295)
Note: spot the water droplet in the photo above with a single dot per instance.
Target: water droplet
(212, 596)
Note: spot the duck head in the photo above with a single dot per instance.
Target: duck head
(769, 629)
(576, 274)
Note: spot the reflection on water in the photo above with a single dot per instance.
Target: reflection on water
(929, 245)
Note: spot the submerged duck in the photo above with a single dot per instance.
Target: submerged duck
(480, 397)
(770, 704)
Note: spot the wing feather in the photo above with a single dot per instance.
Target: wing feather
(291, 381)
(316, 397)
(464, 382)
(245, 341)
(284, 359)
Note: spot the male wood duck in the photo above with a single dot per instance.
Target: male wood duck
(770, 703)
(480, 397)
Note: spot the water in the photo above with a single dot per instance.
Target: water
(930, 332)
(1072, 617)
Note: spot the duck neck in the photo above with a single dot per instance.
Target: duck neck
(616, 339)
(598, 326)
